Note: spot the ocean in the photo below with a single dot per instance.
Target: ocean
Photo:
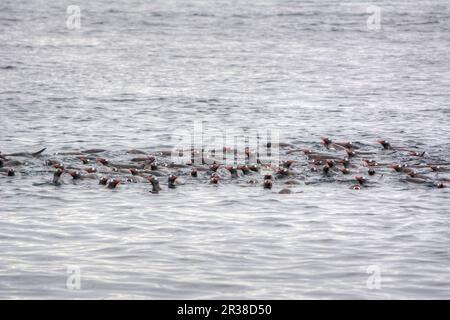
(129, 74)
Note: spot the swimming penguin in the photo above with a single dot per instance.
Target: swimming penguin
(401, 168)
(84, 160)
(345, 162)
(171, 181)
(112, 184)
(136, 176)
(267, 184)
(416, 180)
(418, 154)
(148, 159)
(90, 151)
(152, 166)
(90, 170)
(213, 168)
(245, 169)
(370, 162)
(440, 185)
(347, 145)
(103, 161)
(57, 176)
(416, 175)
(361, 180)
(330, 163)
(326, 142)
(233, 171)
(215, 178)
(350, 153)
(317, 162)
(125, 166)
(134, 171)
(385, 144)
(436, 168)
(52, 163)
(326, 169)
(134, 151)
(321, 156)
(282, 173)
(155, 184)
(77, 175)
(287, 164)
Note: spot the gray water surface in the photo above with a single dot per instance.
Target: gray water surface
(137, 70)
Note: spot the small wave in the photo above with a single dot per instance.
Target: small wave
(206, 15)
(294, 14)
(417, 23)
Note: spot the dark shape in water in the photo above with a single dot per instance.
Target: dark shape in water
(171, 181)
(75, 175)
(113, 183)
(267, 184)
(386, 145)
(90, 151)
(287, 164)
(361, 180)
(233, 171)
(214, 167)
(155, 184)
(103, 161)
(282, 172)
(27, 154)
(84, 160)
(57, 176)
(215, 178)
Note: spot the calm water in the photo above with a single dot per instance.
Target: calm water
(136, 71)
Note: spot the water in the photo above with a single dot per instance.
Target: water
(136, 71)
